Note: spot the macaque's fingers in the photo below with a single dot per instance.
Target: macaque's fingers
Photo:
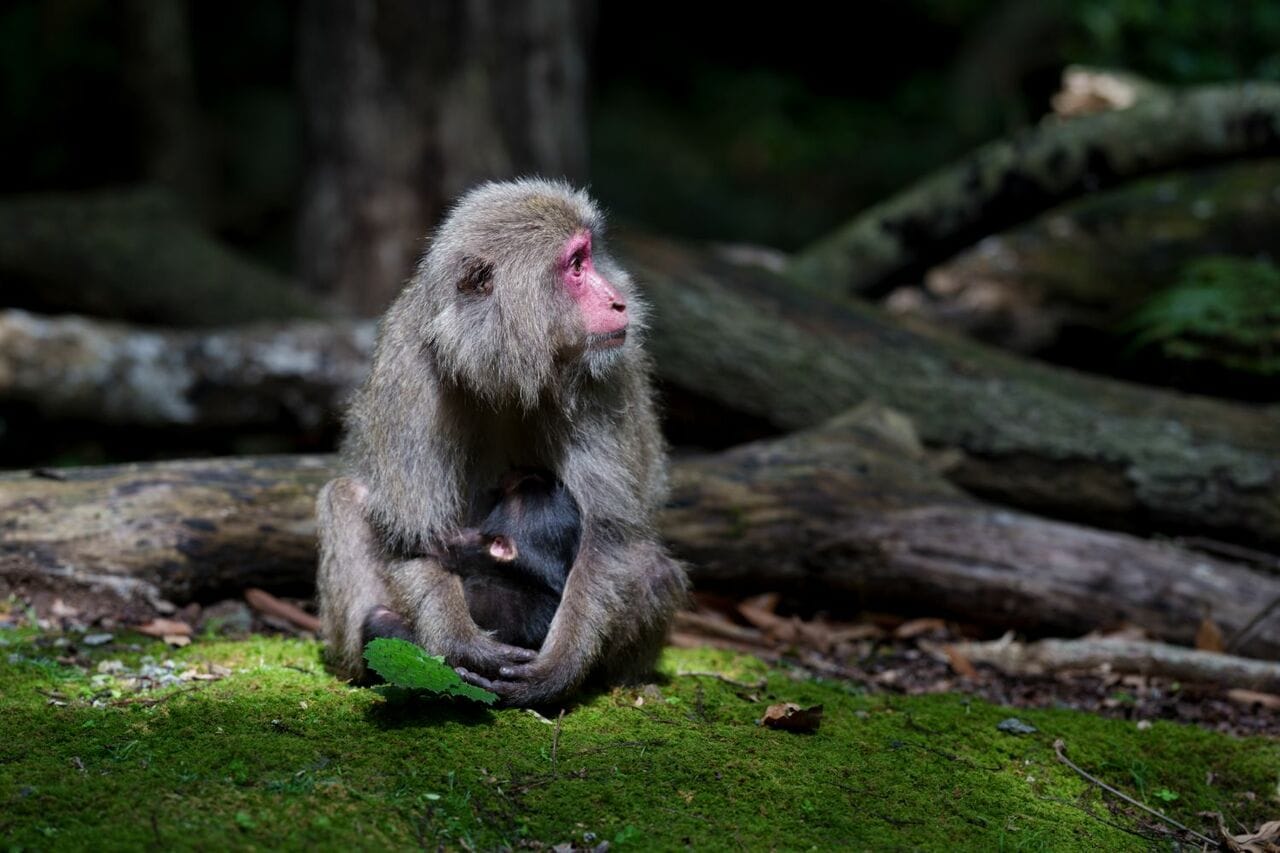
(521, 672)
(484, 654)
(474, 678)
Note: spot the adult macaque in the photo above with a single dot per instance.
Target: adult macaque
(516, 345)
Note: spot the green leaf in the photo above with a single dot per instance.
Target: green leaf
(406, 666)
(1166, 795)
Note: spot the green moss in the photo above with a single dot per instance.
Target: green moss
(279, 754)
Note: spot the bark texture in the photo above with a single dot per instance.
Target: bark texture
(292, 375)
(407, 104)
(1118, 655)
(1011, 180)
(850, 509)
(1023, 433)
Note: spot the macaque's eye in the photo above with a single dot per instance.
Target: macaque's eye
(476, 278)
(575, 263)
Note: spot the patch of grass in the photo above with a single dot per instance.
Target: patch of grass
(279, 754)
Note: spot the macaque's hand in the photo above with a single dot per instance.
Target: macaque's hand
(481, 653)
(537, 682)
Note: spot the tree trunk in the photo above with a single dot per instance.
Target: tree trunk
(1009, 181)
(158, 68)
(407, 104)
(849, 514)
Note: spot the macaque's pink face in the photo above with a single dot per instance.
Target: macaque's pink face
(604, 311)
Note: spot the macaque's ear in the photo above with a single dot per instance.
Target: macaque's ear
(502, 549)
(476, 277)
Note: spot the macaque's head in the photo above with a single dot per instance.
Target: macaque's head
(521, 294)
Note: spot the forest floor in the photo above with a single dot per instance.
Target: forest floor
(117, 740)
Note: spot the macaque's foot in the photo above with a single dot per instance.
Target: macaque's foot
(383, 622)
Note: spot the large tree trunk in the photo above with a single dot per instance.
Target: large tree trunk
(1009, 181)
(158, 67)
(849, 514)
(407, 104)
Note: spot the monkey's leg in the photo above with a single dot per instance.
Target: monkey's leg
(442, 622)
(618, 600)
(362, 596)
(630, 657)
(353, 596)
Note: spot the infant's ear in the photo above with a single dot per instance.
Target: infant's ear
(502, 549)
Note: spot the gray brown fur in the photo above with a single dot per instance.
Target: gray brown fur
(468, 382)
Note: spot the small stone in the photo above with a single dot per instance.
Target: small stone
(97, 639)
(1014, 726)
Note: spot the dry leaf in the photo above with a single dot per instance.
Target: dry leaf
(265, 602)
(1265, 840)
(767, 601)
(1209, 637)
(842, 633)
(959, 663)
(164, 628)
(790, 717)
(1240, 696)
(915, 627)
(178, 640)
(762, 618)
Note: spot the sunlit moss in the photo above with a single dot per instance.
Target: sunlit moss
(279, 754)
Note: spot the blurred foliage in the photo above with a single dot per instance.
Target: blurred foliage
(1223, 310)
(756, 156)
(774, 134)
(1179, 41)
(792, 126)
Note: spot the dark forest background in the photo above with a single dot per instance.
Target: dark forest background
(747, 126)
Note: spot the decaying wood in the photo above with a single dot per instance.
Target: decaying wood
(294, 374)
(1009, 181)
(1089, 264)
(850, 512)
(136, 255)
(1143, 657)
(1025, 434)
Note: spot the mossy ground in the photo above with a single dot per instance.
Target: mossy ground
(279, 754)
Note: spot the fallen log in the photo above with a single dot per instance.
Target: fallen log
(1026, 434)
(285, 375)
(134, 254)
(849, 514)
(1011, 180)
(1142, 657)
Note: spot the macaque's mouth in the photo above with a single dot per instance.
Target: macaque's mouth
(607, 340)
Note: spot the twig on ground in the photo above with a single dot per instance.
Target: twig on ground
(1059, 747)
(265, 602)
(758, 684)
